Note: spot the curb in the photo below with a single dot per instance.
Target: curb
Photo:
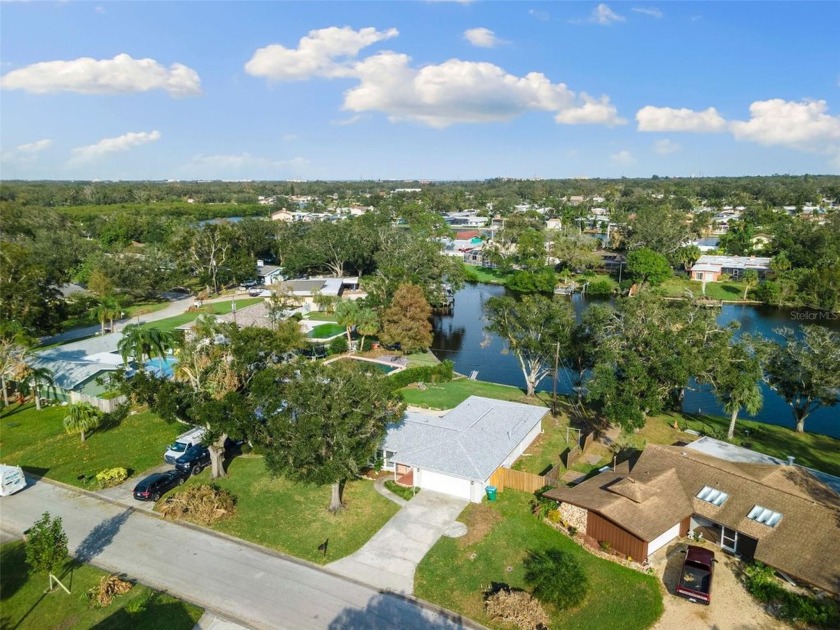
(420, 603)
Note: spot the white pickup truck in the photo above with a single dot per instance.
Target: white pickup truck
(182, 443)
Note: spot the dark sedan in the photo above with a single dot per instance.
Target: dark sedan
(155, 486)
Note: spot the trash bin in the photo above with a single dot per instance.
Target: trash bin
(491, 493)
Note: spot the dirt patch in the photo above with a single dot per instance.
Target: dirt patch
(732, 607)
(479, 520)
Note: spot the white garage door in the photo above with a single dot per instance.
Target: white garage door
(443, 483)
(664, 539)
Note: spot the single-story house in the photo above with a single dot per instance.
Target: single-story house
(458, 452)
(76, 367)
(307, 289)
(269, 274)
(709, 268)
(761, 508)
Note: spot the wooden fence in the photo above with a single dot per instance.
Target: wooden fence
(517, 480)
(106, 405)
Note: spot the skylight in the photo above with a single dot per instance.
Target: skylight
(712, 495)
(764, 516)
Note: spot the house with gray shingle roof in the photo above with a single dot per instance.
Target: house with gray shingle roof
(458, 452)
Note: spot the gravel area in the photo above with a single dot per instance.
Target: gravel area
(732, 607)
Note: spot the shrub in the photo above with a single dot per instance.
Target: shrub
(762, 584)
(572, 530)
(556, 578)
(516, 607)
(600, 287)
(604, 545)
(338, 345)
(111, 477)
(425, 374)
(401, 491)
(554, 516)
(109, 587)
(203, 504)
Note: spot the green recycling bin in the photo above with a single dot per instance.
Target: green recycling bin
(491, 493)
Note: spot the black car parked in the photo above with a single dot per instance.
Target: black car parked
(196, 459)
(154, 486)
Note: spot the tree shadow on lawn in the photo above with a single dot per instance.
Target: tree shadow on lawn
(13, 570)
(154, 610)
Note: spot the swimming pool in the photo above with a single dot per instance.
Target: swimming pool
(162, 368)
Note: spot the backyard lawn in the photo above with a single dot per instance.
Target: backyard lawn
(26, 606)
(36, 441)
(293, 518)
(456, 572)
(321, 316)
(450, 394)
(216, 308)
(729, 290)
(325, 331)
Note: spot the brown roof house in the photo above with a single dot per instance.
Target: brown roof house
(752, 505)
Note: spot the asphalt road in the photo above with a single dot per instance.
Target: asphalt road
(238, 581)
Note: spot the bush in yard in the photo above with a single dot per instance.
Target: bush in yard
(109, 587)
(556, 578)
(517, 608)
(600, 287)
(761, 582)
(111, 477)
(46, 545)
(422, 374)
(203, 504)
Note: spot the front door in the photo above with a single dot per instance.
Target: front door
(728, 539)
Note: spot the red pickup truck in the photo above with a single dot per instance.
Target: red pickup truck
(696, 577)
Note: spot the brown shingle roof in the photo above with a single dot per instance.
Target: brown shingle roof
(803, 543)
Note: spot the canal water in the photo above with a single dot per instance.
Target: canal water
(461, 338)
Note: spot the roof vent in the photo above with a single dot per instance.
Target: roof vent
(790, 459)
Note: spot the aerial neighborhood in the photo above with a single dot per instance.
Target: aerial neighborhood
(404, 316)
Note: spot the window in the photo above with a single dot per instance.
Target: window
(712, 495)
(764, 516)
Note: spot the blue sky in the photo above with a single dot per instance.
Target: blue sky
(429, 90)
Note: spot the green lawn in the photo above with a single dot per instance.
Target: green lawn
(544, 452)
(485, 275)
(730, 291)
(452, 393)
(144, 308)
(321, 316)
(36, 441)
(26, 606)
(456, 572)
(419, 359)
(216, 308)
(293, 518)
(325, 331)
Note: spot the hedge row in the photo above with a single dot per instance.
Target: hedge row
(423, 374)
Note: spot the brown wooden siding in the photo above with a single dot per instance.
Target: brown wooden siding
(685, 525)
(621, 540)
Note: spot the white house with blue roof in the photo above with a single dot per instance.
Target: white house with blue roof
(458, 452)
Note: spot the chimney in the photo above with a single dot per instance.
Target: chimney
(260, 264)
(790, 459)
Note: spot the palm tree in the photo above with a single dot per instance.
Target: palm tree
(39, 376)
(108, 308)
(81, 417)
(367, 323)
(347, 315)
(140, 343)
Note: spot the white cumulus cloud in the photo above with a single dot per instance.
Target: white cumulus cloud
(457, 91)
(605, 16)
(542, 16)
(665, 147)
(113, 145)
(482, 37)
(652, 118)
(623, 158)
(122, 74)
(651, 11)
(324, 52)
(805, 125)
(34, 147)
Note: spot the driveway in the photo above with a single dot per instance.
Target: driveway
(732, 607)
(389, 559)
(124, 493)
(238, 581)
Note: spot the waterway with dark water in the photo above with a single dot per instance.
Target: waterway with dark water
(461, 338)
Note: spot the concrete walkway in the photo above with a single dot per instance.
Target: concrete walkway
(389, 559)
(237, 581)
(379, 486)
